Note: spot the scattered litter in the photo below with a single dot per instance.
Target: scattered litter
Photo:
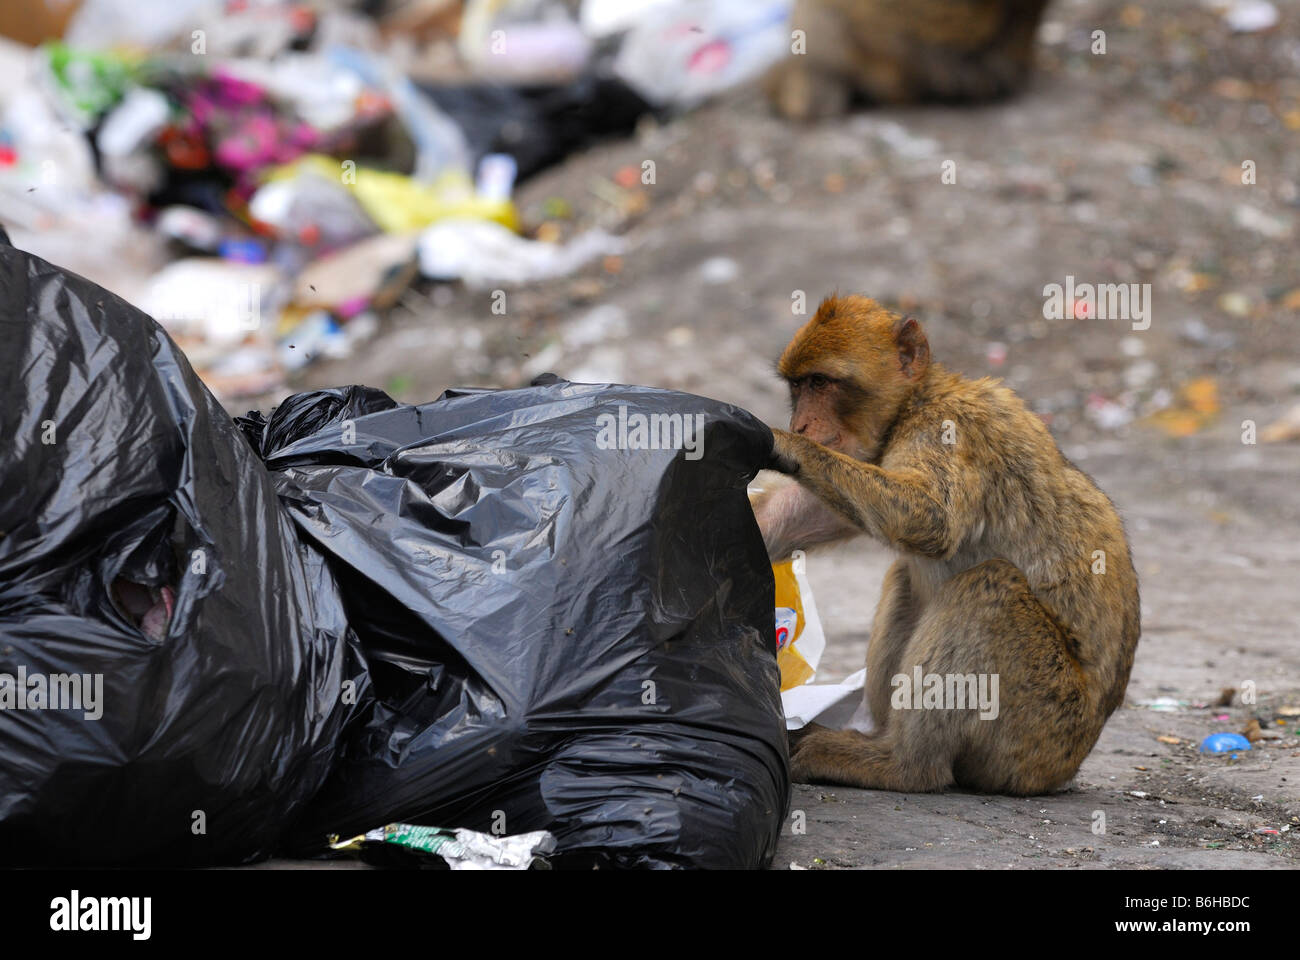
(457, 849)
(496, 177)
(1224, 743)
(540, 125)
(1168, 739)
(147, 607)
(1107, 413)
(316, 335)
(901, 139)
(242, 251)
(218, 301)
(400, 203)
(1250, 16)
(687, 52)
(604, 18)
(1197, 332)
(129, 127)
(1140, 374)
(306, 205)
(718, 270)
(599, 325)
(1287, 427)
(800, 643)
(1196, 408)
(536, 48)
(1236, 304)
(1266, 225)
(484, 254)
(194, 228)
(440, 145)
(372, 272)
(1163, 704)
(294, 140)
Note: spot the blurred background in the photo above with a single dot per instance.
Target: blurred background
(420, 194)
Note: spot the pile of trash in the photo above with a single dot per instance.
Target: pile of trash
(484, 630)
(300, 164)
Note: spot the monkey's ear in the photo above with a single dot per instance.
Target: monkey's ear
(913, 348)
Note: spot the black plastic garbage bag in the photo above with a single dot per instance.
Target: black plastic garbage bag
(175, 665)
(539, 125)
(562, 632)
(555, 627)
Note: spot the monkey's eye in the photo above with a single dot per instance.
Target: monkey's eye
(818, 382)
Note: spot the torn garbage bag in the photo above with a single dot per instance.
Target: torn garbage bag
(566, 608)
(175, 663)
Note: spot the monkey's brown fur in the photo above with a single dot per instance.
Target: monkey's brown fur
(894, 51)
(997, 536)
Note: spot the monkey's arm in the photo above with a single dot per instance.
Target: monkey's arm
(918, 509)
(792, 518)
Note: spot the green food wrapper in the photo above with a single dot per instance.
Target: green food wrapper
(461, 849)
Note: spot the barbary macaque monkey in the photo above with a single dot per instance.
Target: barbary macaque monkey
(898, 51)
(1011, 563)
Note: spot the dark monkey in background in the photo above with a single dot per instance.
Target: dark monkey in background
(897, 51)
(1011, 562)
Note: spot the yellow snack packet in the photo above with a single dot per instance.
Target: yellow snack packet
(799, 637)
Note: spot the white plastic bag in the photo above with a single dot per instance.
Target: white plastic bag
(687, 52)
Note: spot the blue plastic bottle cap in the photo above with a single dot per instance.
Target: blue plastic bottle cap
(1224, 743)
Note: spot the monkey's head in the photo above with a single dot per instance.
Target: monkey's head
(850, 368)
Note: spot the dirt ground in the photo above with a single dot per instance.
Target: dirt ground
(1117, 168)
(1123, 167)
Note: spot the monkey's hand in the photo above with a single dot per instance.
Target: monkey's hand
(785, 452)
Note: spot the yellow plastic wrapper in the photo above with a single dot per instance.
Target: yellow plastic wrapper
(799, 637)
(399, 204)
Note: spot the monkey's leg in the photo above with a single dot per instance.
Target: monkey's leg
(868, 760)
(890, 757)
(891, 628)
(802, 92)
(1022, 723)
(815, 81)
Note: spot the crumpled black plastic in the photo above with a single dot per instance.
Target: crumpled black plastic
(462, 613)
(540, 124)
(559, 636)
(118, 465)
